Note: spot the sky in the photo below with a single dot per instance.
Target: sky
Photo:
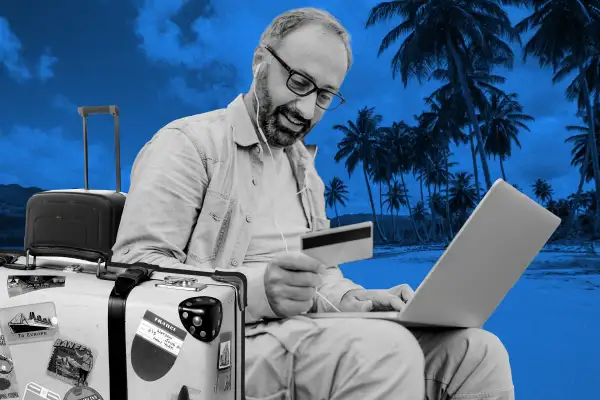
(160, 60)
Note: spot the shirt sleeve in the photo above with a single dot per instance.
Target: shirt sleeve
(168, 183)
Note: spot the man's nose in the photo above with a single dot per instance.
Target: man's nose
(306, 105)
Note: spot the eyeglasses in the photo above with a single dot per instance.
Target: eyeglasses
(301, 85)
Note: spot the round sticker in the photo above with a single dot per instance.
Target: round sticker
(82, 393)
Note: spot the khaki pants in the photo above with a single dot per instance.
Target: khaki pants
(348, 359)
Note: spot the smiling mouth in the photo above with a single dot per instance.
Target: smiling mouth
(293, 121)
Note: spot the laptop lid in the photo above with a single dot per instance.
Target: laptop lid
(503, 235)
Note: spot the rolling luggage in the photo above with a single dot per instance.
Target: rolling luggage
(80, 223)
(82, 330)
(74, 325)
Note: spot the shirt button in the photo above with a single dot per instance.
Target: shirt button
(234, 262)
(254, 181)
(248, 218)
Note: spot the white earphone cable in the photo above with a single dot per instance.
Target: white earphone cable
(273, 160)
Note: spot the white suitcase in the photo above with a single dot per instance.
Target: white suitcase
(76, 330)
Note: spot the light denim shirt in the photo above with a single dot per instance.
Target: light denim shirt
(192, 195)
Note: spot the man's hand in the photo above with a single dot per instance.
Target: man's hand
(291, 281)
(360, 300)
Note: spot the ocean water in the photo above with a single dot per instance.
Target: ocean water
(549, 322)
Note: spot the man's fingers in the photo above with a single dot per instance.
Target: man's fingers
(296, 261)
(297, 294)
(301, 278)
(407, 293)
(355, 305)
(397, 304)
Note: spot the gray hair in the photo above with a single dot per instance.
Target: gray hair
(287, 22)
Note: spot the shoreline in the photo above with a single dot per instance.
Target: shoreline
(584, 248)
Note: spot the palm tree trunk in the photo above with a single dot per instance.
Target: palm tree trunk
(431, 209)
(375, 222)
(448, 216)
(393, 224)
(337, 217)
(592, 136)
(412, 219)
(422, 196)
(502, 168)
(573, 209)
(475, 170)
(380, 201)
(470, 109)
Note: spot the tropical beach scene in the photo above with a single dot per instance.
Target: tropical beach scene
(444, 98)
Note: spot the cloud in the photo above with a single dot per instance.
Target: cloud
(45, 67)
(53, 161)
(12, 59)
(60, 102)
(212, 86)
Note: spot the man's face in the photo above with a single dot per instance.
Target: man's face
(314, 51)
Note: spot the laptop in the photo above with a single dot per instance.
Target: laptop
(502, 236)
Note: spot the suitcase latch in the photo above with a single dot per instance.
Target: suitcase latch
(181, 283)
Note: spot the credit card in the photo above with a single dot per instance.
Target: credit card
(340, 245)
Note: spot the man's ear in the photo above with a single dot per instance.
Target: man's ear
(259, 58)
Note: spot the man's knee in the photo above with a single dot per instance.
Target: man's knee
(375, 356)
(380, 343)
(485, 345)
(483, 349)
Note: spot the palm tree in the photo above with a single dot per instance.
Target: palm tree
(463, 196)
(395, 199)
(397, 139)
(437, 34)
(361, 144)
(481, 82)
(566, 38)
(336, 192)
(381, 172)
(581, 153)
(501, 122)
(542, 190)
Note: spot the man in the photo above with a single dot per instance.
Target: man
(207, 191)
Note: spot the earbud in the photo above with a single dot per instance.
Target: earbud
(257, 69)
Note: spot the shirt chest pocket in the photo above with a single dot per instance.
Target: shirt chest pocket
(211, 226)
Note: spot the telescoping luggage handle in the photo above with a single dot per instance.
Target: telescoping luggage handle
(114, 111)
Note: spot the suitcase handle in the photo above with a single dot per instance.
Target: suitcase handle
(114, 111)
(61, 251)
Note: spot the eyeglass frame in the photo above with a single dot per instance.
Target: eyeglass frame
(292, 71)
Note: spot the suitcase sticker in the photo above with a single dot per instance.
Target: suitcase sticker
(70, 362)
(29, 323)
(8, 379)
(23, 284)
(155, 347)
(82, 393)
(224, 362)
(33, 391)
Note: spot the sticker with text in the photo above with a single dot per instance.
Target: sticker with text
(224, 362)
(161, 333)
(82, 393)
(155, 347)
(9, 389)
(33, 391)
(23, 284)
(29, 323)
(70, 362)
